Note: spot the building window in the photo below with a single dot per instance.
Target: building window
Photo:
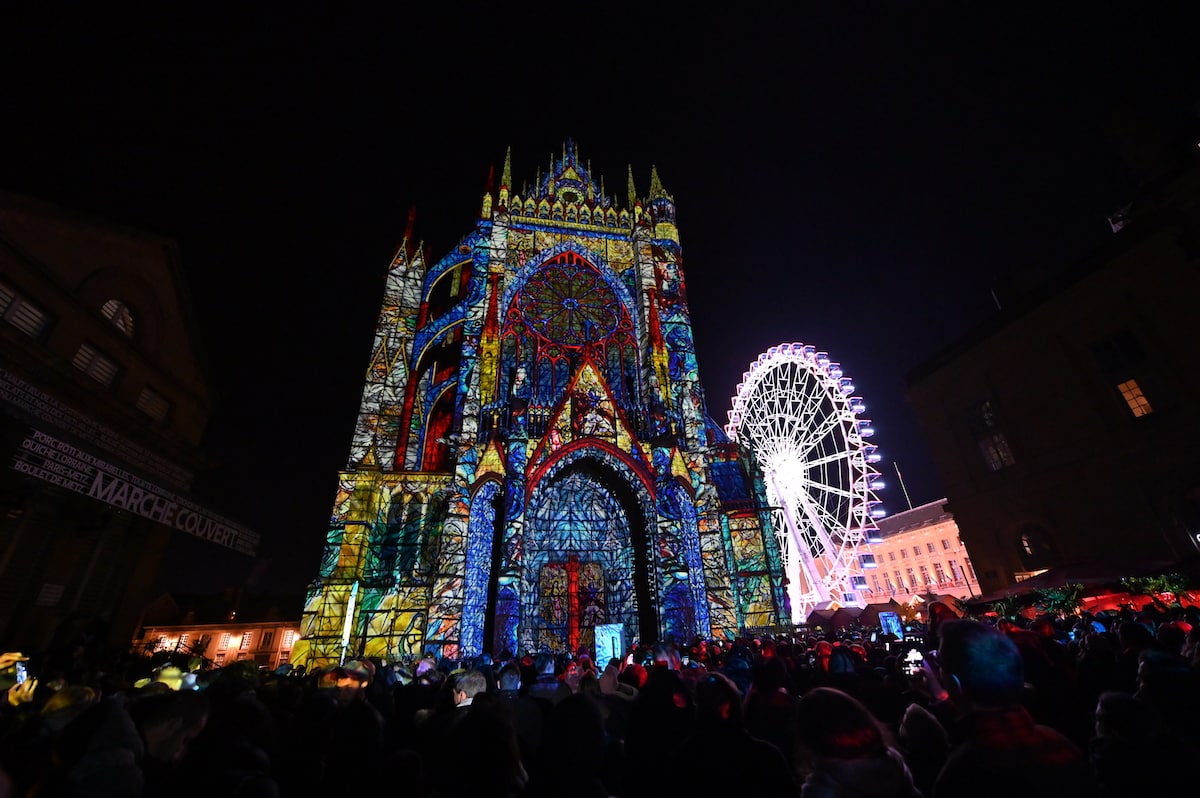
(246, 636)
(912, 578)
(930, 547)
(939, 572)
(945, 544)
(118, 313)
(875, 582)
(220, 658)
(161, 643)
(224, 644)
(153, 404)
(20, 313)
(916, 551)
(289, 637)
(892, 556)
(996, 453)
(891, 588)
(1137, 402)
(183, 641)
(925, 580)
(94, 364)
(904, 554)
(970, 569)
(899, 581)
(955, 572)
(285, 657)
(268, 638)
(993, 445)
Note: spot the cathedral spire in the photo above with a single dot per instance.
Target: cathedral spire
(506, 179)
(656, 189)
(632, 190)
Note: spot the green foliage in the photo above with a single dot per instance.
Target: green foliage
(1171, 584)
(1006, 607)
(1065, 599)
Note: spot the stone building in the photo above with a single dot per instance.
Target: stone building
(103, 402)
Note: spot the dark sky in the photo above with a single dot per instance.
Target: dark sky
(857, 180)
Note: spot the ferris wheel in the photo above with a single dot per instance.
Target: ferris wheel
(796, 414)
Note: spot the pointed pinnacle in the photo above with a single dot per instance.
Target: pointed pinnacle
(506, 175)
(656, 189)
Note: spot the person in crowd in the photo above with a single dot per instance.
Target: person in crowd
(1170, 687)
(769, 707)
(1096, 669)
(483, 732)
(661, 715)
(719, 734)
(1133, 638)
(347, 728)
(237, 752)
(848, 751)
(1004, 751)
(572, 762)
(924, 744)
(528, 714)
(463, 687)
(417, 696)
(547, 686)
(1128, 737)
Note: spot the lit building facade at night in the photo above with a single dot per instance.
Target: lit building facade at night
(919, 552)
(534, 460)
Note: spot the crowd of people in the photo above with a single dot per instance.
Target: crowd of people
(1085, 707)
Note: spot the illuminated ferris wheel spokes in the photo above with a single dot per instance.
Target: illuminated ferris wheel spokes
(794, 410)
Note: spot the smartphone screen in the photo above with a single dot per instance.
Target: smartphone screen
(22, 674)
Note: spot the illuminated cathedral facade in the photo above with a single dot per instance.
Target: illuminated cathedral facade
(534, 458)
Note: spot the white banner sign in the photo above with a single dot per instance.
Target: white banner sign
(57, 462)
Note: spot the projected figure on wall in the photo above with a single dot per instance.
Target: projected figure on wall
(533, 396)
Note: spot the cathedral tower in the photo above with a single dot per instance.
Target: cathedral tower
(534, 457)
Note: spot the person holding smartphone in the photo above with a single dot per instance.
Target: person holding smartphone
(15, 680)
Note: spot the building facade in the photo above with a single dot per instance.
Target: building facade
(534, 459)
(1064, 429)
(102, 407)
(209, 628)
(920, 553)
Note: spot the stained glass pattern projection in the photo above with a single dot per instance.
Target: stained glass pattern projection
(533, 450)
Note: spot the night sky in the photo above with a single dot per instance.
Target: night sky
(863, 181)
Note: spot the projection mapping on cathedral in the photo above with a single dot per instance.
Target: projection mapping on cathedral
(533, 456)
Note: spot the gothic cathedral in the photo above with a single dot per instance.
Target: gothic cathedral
(534, 458)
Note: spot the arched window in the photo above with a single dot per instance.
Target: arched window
(119, 314)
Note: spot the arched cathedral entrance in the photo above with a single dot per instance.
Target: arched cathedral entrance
(585, 559)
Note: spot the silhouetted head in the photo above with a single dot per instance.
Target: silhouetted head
(718, 701)
(980, 663)
(835, 725)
